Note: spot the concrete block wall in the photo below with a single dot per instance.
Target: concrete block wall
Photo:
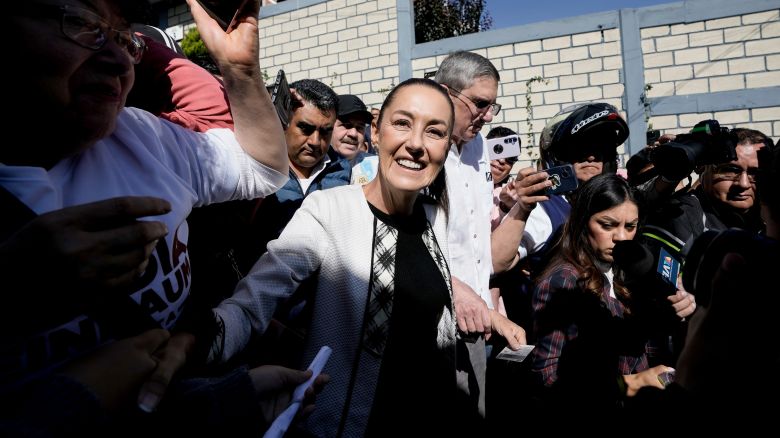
(575, 68)
(179, 21)
(353, 46)
(739, 52)
(730, 53)
(766, 120)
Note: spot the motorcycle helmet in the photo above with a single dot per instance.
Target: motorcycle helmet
(581, 130)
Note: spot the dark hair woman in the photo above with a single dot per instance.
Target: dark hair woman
(383, 299)
(590, 341)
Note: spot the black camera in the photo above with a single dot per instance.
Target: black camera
(761, 255)
(652, 136)
(707, 143)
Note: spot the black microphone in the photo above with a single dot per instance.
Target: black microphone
(645, 272)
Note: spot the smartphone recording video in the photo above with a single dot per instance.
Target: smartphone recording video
(563, 179)
(282, 99)
(224, 12)
(503, 147)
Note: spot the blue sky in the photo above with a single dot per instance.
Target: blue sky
(508, 13)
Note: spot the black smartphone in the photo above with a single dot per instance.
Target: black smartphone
(282, 99)
(563, 178)
(224, 12)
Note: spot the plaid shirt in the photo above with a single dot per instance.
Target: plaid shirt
(582, 339)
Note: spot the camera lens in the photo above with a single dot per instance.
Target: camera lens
(709, 249)
(693, 261)
(498, 149)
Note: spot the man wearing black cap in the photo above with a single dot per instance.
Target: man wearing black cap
(349, 131)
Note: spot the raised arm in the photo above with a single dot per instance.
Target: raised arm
(505, 239)
(237, 53)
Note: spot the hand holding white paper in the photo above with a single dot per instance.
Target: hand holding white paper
(283, 421)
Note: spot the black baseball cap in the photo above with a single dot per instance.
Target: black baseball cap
(350, 104)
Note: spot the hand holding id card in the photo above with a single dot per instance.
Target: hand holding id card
(515, 355)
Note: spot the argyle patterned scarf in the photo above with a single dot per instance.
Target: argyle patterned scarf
(381, 288)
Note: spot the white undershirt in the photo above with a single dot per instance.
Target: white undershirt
(306, 182)
(610, 278)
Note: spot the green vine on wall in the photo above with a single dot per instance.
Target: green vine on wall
(386, 90)
(333, 78)
(530, 111)
(646, 105)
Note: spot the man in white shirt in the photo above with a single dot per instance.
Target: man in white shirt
(472, 83)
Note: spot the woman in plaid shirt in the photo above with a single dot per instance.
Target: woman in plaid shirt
(591, 335)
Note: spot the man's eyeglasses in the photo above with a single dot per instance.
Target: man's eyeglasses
(731, 172)
(482, 105)
(89, 30)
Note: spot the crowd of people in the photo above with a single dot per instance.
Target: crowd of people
(175, 255)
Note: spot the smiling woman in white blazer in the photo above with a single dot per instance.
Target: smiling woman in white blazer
(383, 299)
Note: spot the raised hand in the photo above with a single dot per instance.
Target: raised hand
(508, 195)
(238, 46)
(528, 186)
(524, 193)
(237, 52)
